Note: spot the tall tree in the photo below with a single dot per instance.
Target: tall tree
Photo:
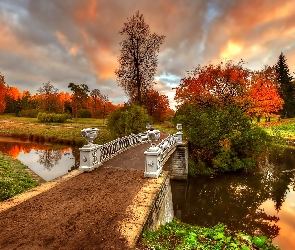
(138, 57)
(49, 96)
(80, 94)
(3, 90)
(286, 86)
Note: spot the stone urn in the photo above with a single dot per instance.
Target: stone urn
(153, 136)
(89, 134)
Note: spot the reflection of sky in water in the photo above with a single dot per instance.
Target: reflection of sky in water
(62, 167)
(286, 238)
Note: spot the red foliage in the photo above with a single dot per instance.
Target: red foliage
(157, 105)
(219, 85)
(215, 85)
(3, 91)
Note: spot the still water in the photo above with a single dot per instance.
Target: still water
(46, 160)
(257, 203)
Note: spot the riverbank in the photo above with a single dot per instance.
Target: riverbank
(67, 133)
(15, 177)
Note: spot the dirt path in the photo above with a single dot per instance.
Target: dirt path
(80, 213)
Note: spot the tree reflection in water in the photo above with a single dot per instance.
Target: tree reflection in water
(236, 199)
(49, 158)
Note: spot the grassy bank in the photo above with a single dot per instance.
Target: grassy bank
(284, 127)
(177, 235)
(65, 133)
(166, 126)
(14, 178)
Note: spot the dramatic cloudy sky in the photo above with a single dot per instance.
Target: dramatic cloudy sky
(65, 41)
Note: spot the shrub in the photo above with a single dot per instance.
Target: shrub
(52, 118)
(222, 139)
(84, 113)
(30, 113)
(127, 120)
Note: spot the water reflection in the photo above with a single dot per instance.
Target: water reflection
(260, 203)
(49, 157)
(47, 161)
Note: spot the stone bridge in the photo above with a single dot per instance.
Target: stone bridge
(171, 150)
(129, 192)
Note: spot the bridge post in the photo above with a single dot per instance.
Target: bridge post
(179, 134)
(153, 166)
(89, 157)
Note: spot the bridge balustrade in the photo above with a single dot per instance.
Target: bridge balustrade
(93, 155)
(157, 155)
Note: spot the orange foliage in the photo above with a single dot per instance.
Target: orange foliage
(219, 85)
(14, 93)
(3, 91)
(264, 94)
(157, 105)
(215, 85)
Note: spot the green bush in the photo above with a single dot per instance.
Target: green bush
(127, 120)
(52, 118)
(179, 236)
(222, 139)
(30, 113)
(84, 113)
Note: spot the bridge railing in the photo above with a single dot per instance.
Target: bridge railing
(93, 155)
(157, 155)
(119, 145)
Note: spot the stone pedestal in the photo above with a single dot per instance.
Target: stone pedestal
(179, 137)
(152, 163)
(89, 157)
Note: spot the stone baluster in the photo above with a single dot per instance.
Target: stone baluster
(179, 133)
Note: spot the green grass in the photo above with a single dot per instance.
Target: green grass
(66, 133)
(285, 128)
(14, 179)
(177, 235)
(166, 126)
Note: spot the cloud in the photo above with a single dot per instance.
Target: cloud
(78, 41)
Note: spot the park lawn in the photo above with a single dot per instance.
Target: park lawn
(285, 128)
(14, 177)
(165, 126)
(68, 132)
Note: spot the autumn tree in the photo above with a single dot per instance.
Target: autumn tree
(3, 89)
(97, 103)
(48, 97)
(64, 98)
(266, 101)
(215, 86)
(157, 105)
(138, 57)
(13, 99)
(286, 86)
(80, 94)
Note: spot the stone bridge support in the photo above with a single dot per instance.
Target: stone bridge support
(177, 164)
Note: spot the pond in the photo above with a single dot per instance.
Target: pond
(261, 202)
(46, 160)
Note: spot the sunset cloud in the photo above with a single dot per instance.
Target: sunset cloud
(78, 41)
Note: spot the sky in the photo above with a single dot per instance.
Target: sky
(63, 41)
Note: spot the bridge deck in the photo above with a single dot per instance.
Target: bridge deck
(82, 212)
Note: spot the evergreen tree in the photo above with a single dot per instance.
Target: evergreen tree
(286, 87)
